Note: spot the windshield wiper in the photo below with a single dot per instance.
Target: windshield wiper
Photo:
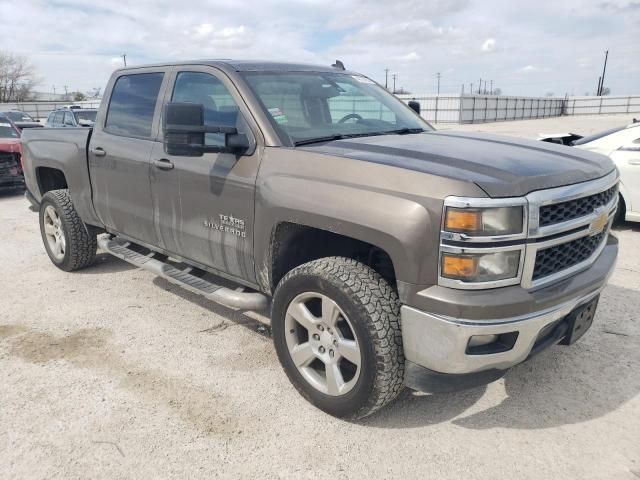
(403, 131)
(319, 139)
(342, 136)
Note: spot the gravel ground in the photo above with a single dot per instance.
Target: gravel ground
(113, 373)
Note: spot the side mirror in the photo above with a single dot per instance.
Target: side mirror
(184, 132)
(415, 106)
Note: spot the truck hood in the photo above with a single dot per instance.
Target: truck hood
(10, 145)
(501, 166)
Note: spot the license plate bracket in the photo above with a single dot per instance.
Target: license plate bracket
(579, 321)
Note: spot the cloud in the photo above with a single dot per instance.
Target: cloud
(414, 38)
(409, 57)
(489, 45)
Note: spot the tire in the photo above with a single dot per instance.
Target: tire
(59, 220)
(618, 219)
(367, 306)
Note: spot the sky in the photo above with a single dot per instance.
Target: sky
(525, 47)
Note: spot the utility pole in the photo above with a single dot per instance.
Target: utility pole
(124, 58)
(598, 89)
(54, 89)
(386, 78)
(394, 82)
(491, 88)
(462, 91)
(479, 85)
(65, 90)
(471, 89)
(604, 69)
(438, 75)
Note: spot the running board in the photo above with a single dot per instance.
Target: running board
(184, 277)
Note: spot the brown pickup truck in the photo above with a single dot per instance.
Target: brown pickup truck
(389, 254)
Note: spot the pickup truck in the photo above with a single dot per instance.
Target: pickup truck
(388, 253)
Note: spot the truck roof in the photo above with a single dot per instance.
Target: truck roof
(248, 66)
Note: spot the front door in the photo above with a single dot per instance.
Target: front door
(119, 155)
(204, 206)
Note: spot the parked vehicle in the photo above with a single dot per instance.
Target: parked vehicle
(68, 117)
(391, 254)
(11, 176)
(622, 145)
(20, 119)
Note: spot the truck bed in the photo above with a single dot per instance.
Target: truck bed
(63, 149)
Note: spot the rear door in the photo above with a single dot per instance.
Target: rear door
(120, 149)
(204, 206)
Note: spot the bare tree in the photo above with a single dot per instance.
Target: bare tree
(17, 78)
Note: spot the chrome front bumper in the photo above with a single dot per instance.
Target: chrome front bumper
(440, 343)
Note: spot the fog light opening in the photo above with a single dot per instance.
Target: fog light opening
(493, 343)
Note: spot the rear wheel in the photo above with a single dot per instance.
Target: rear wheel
(70, 243)
(336, 330)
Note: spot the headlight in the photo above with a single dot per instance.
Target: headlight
(480, 267)
(484, 221)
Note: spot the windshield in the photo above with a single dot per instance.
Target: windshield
(87, 115)
(308, 106)
(597, 136)
(19, 117)
(7, 131)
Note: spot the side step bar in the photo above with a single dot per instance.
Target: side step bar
(184, 277)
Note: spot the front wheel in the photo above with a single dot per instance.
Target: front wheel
(70, 243)
(336, 330)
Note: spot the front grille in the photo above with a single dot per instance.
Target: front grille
(565, 211)
(8, 162)
(565, 255)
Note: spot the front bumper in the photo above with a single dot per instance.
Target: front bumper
(438, 345)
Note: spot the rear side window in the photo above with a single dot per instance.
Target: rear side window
(57, 119)
(133, 101)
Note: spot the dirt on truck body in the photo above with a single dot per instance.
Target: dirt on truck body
(389, 254)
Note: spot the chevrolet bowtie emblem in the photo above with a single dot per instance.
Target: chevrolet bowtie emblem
(599, 223)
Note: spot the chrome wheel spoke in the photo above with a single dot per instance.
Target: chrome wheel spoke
(330, 312)
(335, 382)
(302, 354)
(349, 350)
(302, 315)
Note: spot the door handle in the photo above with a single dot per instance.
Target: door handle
(634, 162)
(163, 164)
(98, 152)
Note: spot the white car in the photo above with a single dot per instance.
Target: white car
(622, 145)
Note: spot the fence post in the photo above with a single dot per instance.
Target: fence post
(486, 106)
(436, 114)
(473, 110)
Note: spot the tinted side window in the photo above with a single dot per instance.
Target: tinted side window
(220, 109)
(133, 101)
(68, 119)
(57, 120)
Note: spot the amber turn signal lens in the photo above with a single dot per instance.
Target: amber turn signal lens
(459, 267)
(462, 220)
